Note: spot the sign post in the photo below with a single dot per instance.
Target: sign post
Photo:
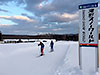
(88, 29)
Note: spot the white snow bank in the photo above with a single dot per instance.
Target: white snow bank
(71, 62)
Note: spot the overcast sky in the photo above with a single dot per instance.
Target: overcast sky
(29, 17)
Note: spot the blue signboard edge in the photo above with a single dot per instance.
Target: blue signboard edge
(89, 5)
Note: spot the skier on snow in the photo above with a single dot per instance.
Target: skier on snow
(51, 45)
(42, 48)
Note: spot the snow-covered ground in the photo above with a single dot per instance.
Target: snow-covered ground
(23, 59)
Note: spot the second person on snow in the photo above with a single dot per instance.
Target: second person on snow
(42, 48)
(51, 45)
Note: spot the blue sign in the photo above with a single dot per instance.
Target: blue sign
(91, 5)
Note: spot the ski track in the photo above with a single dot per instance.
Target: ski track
(66, 68)
(21, 59)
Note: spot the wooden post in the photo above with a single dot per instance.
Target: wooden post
(79, 44)
(80, 62)
(98, 48)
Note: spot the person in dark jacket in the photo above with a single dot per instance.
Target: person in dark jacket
(51, 45)
(42, 48)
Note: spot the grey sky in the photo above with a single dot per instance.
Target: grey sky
(40, 16)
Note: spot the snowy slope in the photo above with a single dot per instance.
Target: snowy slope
(22, 59)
